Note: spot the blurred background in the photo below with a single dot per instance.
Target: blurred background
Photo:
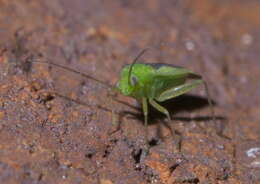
(55, 125)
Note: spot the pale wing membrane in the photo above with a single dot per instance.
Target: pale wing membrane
(178, 90)
(162, 83)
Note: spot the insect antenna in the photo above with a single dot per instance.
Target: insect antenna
(134, 61)
(74, 71)
(112, 90)
(138, 56)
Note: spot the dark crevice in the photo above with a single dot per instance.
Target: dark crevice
(195, 181)
(89, 155)
(107, 152)
(189, 180)
(45, 98)
(173, 167)
(114, 141)
(153, 142)
(137, 155)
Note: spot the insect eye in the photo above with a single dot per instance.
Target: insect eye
(134, 80)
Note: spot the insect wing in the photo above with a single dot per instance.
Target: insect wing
(167, 77)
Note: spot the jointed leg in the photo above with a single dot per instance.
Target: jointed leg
(174, 133)
(145, 111)
(115, 119)
(210, 103)
(160, 108)
(182, 89)
(179, 90)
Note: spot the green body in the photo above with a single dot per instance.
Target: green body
(152, 80)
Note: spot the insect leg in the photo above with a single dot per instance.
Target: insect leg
(179, 90)
(174, 132)
(160, 108)
(145, 111)
(115, 120)
(210, 103)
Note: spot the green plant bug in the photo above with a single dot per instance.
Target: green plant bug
(152, 83)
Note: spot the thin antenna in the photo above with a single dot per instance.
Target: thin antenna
(74, 71)
(138, 56)
(210, 103)
(134, 61)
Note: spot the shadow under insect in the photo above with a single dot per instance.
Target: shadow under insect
(184, 103)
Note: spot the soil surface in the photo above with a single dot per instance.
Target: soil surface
(56, 126)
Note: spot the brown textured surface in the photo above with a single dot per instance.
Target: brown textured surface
(48, 139)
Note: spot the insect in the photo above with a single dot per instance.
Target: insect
(153, 83)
